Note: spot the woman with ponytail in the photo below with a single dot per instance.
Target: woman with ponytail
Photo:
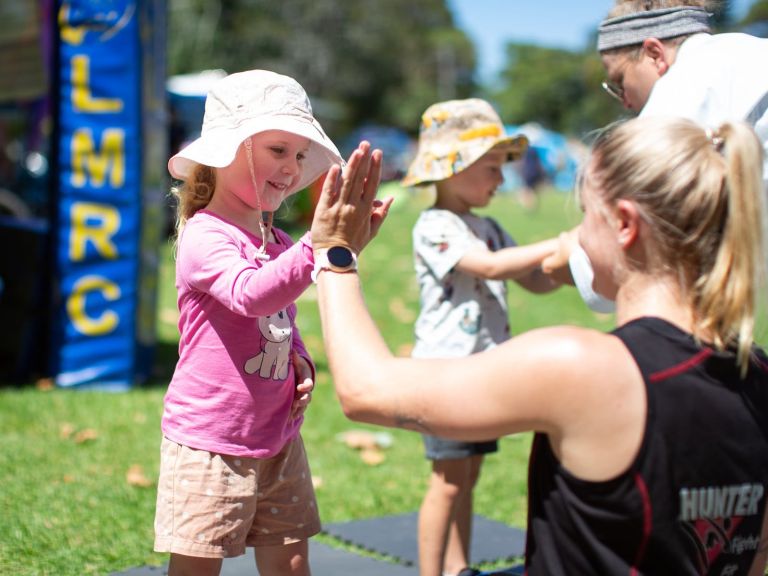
(650, 453)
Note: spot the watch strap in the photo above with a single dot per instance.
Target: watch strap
(323, 263)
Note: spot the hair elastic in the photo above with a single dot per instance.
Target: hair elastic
(715, 139)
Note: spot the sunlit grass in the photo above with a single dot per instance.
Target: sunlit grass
(78, 469)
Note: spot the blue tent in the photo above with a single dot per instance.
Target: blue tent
(397, 146)
(560, 157)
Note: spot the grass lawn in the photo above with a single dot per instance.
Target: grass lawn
(78, 469)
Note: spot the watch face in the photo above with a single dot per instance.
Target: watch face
(340, 256)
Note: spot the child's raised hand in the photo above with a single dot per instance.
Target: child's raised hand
(348, 213)
(556, 264)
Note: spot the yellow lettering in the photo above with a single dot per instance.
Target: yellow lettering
(85, 157)
(69, 34)
(107, 321)
(82, 99)
(95, 223)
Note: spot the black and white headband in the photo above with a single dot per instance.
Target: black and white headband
(633, 29)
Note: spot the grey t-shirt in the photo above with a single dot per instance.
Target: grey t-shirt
(460, 314)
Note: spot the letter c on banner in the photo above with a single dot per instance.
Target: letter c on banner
(108, 319)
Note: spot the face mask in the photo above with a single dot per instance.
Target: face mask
(583, 276)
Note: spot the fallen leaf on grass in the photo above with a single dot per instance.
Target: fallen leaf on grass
(44, 384)
(400, 311)
(358, 439)
(135, 477)
(86, 435)
(372, 456)
(404, 350)
(362, 439)
(66, 430)
(317, 482)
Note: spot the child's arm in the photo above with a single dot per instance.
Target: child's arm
(519, 263)
(211, 261)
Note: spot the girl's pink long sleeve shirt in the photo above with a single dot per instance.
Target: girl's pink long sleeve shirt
(234, 383)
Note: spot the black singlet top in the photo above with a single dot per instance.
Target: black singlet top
(693, 500)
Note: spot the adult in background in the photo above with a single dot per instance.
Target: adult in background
(661, 60)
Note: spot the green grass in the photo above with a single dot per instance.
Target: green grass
(69, 509)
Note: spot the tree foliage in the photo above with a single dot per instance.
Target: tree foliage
(386, 62)
(360, 61)
(556, 88)
(758, 12)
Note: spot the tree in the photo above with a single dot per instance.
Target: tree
(556, 88)
(359, 61)
(758, 12)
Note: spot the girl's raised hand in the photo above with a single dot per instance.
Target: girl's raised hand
(348, 213)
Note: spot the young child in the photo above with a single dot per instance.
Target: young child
(462, 261)
(233, 469)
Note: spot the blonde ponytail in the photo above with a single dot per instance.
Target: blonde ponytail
(728, 293)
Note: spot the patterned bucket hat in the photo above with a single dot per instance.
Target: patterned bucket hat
(455, 134)
(246, 103)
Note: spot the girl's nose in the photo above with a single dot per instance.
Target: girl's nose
(291, 166)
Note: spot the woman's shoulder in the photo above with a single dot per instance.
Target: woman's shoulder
(582, 352)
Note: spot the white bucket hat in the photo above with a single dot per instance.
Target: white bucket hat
(247, 103)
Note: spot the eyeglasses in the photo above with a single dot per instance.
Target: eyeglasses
(614, 90)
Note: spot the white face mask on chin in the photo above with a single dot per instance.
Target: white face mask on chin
(583, 276)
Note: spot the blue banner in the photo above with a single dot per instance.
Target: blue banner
(101, 200)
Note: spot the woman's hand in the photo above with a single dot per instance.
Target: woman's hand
(348, 213)
(304, 386)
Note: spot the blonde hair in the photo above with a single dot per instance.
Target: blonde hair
(701, 192)
(193, 194)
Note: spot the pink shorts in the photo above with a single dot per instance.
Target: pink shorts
(212, 505)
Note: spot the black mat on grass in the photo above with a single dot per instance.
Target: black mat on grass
(324, 560)
(396, 537)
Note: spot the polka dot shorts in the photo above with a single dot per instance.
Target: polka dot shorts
(213, 506)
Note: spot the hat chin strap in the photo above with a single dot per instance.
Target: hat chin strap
(264, 227)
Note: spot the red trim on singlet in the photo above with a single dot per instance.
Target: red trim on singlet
(647, 522)
(682, 367)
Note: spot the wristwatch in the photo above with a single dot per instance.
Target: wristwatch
(336, 259)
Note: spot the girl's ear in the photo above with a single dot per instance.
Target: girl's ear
(627, 223)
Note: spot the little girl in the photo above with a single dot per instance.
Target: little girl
(233, 469)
